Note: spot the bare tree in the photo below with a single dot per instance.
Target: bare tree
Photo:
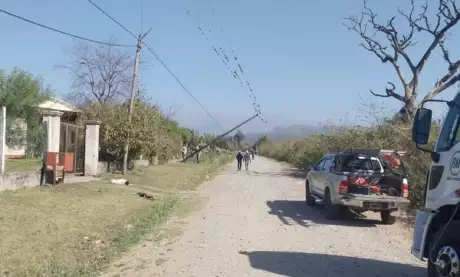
(171, 112)
(99, 73)
(390, 45)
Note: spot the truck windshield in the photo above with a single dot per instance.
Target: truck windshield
(449, 134)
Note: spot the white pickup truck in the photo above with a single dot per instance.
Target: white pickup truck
(361, 180)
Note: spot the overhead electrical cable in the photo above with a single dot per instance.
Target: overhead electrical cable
(63, 32)
(238, 72)
(161, 62)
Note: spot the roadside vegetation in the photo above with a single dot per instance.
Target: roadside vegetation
(78, 229)
(75, 230)
(387, 135)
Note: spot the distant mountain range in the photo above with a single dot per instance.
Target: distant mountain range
(289, 132)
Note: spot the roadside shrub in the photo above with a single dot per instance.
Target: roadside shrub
(151, 134)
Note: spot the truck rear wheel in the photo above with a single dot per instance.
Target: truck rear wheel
(309, 199)
(444, 251)
(387, 218)
(333, 212)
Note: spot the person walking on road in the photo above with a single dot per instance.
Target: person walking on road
(239, 159)
(197, 155)
(253, 153)
(247, 159)
(184, 151)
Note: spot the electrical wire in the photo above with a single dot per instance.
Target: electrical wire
(236, 60)
(161, 62)
(63, 32)
(244, 83)
(181, 84)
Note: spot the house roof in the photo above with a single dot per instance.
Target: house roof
(58, 105)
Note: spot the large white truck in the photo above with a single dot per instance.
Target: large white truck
(436, 235)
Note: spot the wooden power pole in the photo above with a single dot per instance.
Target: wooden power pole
(133, 97)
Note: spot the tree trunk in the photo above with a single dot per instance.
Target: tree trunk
(407, 112)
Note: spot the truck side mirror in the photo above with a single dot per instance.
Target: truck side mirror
(422, 125)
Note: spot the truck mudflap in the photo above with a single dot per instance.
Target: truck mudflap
(374, 202)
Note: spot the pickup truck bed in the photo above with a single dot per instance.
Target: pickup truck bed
(374, 203)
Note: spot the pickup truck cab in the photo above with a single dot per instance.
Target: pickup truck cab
(360, 180)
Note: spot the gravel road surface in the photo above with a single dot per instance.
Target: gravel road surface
(256, 224)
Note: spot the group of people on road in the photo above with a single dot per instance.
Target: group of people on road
(246, 157)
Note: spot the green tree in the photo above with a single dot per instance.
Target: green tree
(151, 134)
(147, 130)
(174, 128)
(21, 93)
(239, 137)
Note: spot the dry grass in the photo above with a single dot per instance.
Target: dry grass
(22, 165)
(75, 230)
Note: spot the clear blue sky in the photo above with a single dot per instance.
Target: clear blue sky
(304, 66)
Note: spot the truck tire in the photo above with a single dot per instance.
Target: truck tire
(445, 250)
(387, 218)
(309, 199)
(332, 212)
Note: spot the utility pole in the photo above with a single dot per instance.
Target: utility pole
(133, 97)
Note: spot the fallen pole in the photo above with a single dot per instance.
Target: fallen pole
(219, 137)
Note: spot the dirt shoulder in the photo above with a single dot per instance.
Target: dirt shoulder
(77, 229)
(256, 224)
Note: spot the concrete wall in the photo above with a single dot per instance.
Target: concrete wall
(141, 163)
(104, 167)
(17, 180)
(16, 152)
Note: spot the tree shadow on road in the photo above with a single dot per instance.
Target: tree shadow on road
(296, 212)
(296, 264)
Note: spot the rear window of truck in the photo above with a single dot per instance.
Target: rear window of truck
(360, 163)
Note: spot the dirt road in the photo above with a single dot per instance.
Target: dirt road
(256, 224)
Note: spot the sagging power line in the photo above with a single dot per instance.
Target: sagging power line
(236, 72)
(181, 84)
(161, 62)
(63, 32)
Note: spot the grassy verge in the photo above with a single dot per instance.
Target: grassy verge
(22, 165)
(76, 230)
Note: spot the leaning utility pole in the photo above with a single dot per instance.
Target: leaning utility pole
(133, 97)
(220, 137)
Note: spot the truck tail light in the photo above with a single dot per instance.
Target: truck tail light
(343, 187)
(405, 188)
(375, 189)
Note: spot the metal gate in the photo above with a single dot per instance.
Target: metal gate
(72, 140)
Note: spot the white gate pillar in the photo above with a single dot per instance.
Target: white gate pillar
(92, 147)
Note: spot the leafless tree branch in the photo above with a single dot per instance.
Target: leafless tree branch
(390, 92)
(101, 73)
(396, 43)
